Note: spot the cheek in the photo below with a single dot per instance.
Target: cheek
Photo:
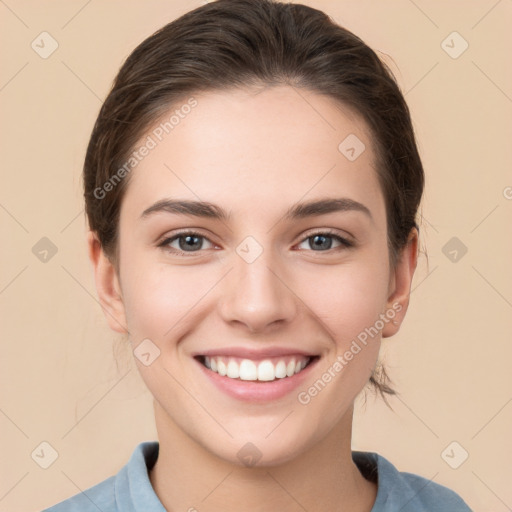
(347, 298)
(348, 302)
(158, 299)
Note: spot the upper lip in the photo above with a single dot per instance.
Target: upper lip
(248, 353)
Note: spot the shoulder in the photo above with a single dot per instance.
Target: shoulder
(130, 489)
(399, 490)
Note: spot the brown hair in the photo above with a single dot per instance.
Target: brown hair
(242, 43)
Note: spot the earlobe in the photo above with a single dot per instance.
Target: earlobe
(107, 285)
(400, 285)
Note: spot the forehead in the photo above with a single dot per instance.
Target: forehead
(273, 146)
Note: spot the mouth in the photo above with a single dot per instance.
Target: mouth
(261, 375)
(267, 369)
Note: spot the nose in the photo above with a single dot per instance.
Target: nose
(258, 295)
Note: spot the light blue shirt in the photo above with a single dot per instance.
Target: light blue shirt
(131, 491)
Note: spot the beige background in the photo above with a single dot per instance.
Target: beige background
(60, 382)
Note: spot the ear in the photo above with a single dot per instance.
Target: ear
(107, 285)
(400, 284)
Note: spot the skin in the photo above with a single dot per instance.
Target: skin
(255, 154)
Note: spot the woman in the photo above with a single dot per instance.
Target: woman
(252, 184)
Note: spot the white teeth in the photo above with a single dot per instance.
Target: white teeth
(266, 371)
(281, 370)
(233, 371)
(221, 368)
(248, 370)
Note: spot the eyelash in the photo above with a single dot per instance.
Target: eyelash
(345, 244)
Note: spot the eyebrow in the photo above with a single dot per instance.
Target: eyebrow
(298, 211)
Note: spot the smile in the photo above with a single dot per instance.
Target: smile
(256, 375)
(265, 370)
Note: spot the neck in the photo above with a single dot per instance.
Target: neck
(188, 477)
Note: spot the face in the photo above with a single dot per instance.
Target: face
(252, 308)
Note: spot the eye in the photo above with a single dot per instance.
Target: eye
(323, 241)
(186, 242)
(189, 242)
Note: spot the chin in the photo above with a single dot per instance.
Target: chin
(259, 454)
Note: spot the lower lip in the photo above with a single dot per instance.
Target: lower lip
(257, 391)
